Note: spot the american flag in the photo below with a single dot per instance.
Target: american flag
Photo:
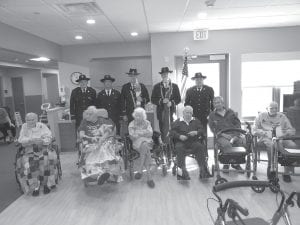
(185, 74)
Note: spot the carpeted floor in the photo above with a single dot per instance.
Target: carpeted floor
(9, 191)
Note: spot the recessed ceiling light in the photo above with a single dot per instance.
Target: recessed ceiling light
(40, 59)
(134, 34)
(78, 37)
(202, 15)
(91, 21)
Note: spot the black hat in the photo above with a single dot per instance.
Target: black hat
(198, 75)
(82, 77)
(165, 70)
(108, 77)
(132, 72)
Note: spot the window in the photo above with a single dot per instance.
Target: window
(261, 79)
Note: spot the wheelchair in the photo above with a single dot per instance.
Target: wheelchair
(21, 151)
(236, 155)
(283, 156)
(191, 155)
(84, 148)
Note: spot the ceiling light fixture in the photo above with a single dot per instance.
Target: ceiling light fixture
(134, 34)
(78, 37)
(40, 59)
(210, 3)
(91, 21)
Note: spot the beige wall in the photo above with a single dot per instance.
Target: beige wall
(18, 40)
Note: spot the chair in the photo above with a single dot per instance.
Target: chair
(236, 154)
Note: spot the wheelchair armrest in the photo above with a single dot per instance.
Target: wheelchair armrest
(239, 130)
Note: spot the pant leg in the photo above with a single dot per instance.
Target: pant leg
(223, 143)
(289, 144)
(181, 153)
(198, 149)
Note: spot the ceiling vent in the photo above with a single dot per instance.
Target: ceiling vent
(80, 9)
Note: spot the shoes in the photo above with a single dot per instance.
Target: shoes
(151, 183)
(184, 176)
(36, 192)
(238, 167)
(46, 190)
(204, 174)
(226, 168)
(53, 187)
(287, 178)
(138, 176)
(103, 178)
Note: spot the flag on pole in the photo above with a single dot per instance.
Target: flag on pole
(185, 74)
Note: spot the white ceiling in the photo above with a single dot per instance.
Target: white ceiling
(116, 19)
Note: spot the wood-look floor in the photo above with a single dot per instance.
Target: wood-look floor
(170, 203)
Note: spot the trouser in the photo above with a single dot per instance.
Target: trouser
(184, 149)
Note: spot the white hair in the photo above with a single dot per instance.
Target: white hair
(32, 115)
(139, 111)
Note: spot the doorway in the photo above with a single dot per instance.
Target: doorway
(52, 93)
(18, 96)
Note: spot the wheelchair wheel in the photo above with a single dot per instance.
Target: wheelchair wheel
(275, 186)
(257, 189)
(220, 180)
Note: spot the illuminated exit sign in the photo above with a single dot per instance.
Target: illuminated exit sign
(200, 35)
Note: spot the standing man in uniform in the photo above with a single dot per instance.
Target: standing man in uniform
(165, 96)
(133, 94)
(200, 97)
(81, 98)
(109, 99)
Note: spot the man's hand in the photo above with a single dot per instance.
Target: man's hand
(193, 133)
(169, 104)
(166, 100)
(183, 137)
(125, 118)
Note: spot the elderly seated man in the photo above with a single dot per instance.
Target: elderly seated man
(36, 165)
(186, 132)
(263, 127)
(101, 161)
(220, 119)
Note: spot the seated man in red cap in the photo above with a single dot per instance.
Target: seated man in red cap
(81, 98)
(110, 99)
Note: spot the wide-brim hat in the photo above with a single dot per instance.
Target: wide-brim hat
(198, 75)
(133, 72)
(107, 77)
(82, 77)
(165, 70)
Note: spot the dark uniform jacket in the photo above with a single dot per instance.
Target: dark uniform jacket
(80, 101)
(180, 127)
(111, 103)
(158, 95)
(128, 99)
(201, 102)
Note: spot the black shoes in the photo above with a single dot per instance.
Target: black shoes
(286, 178)
(226, 168)
(36, 192)
(237, 167)
(184, 176)
(138, 176)
(151, 183)
(103, 178)
(46, 190)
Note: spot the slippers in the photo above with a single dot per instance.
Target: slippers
(103, 178)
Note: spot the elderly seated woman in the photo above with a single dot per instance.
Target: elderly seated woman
(36, 165)
(140, 132)
(100, 156)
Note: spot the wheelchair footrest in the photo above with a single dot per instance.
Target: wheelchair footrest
(234, 155)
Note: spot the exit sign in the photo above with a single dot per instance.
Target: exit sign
(200, 35)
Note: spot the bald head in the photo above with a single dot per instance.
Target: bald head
(273, 108)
